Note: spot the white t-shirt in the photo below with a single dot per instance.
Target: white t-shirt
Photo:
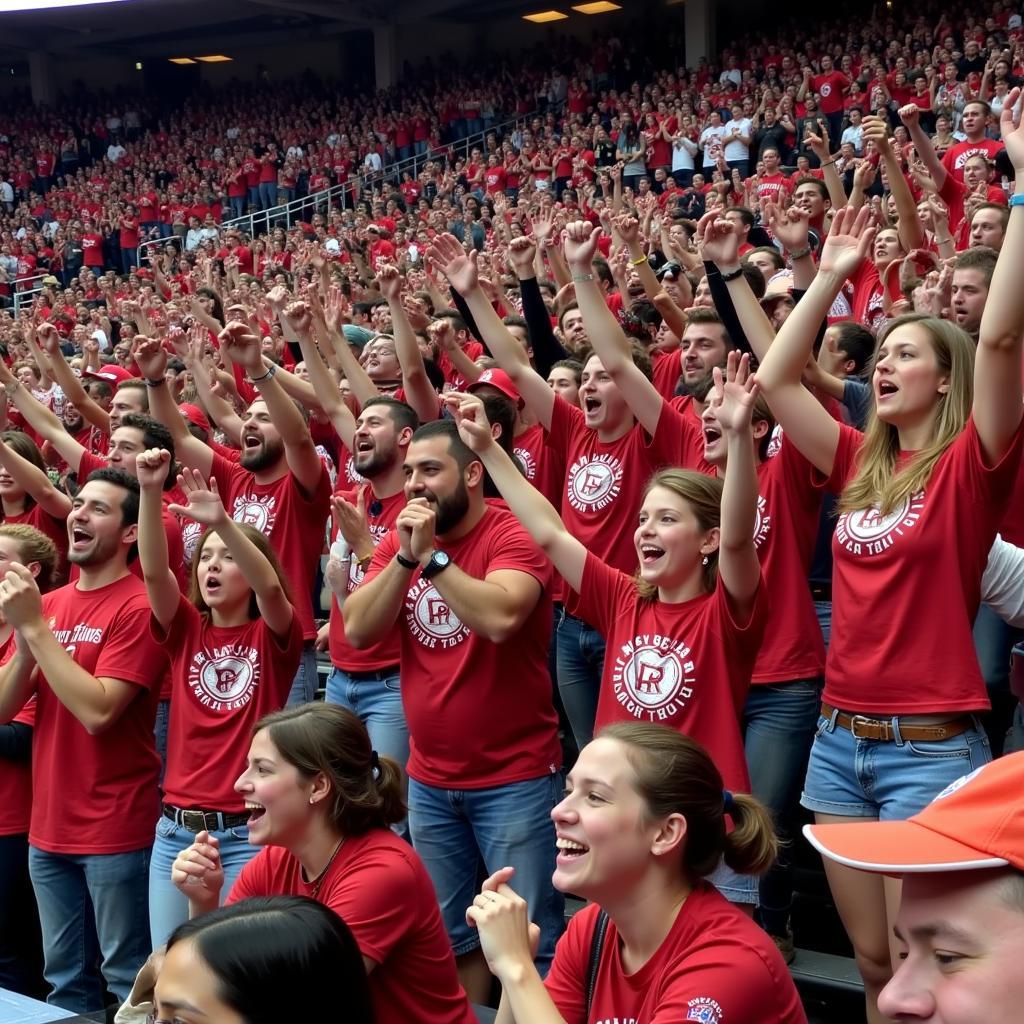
(683, 152)
(711, 141)
(737, 150)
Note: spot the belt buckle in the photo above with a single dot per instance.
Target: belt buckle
(857, 721)
(189, 818)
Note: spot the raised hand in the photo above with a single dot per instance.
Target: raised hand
(471, 419)
(151, 468)
(521, 252)
(150, 357)
(910, 114)
(581, 243)
(461, 270)
(298, 316)
(240, 345)
(848, 243)
(628, 228)
(789, 226)
(48, 338)
(717, 241)
(204, 504)
(277, 298)
(734, 393)
(389, 281)
(337, 310)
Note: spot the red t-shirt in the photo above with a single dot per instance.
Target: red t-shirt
(604, 480)
(54, 528)
(453, 679)
(378, 886)
(685, 665)
(830, 89)
(715, 965)
(224, 680)
(920, 564)
(98, 794)
(92, 250)
(16, 776)
(294, 524)
(956, 156)
(788, 509)
(691, 448)
(129, 232)
(386, 652)
(954, 192)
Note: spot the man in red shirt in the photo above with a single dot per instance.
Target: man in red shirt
(972, 123)
(85, 650)
(470, 592)
(279, 485)
(830, 86)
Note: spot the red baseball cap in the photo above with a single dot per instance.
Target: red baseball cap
(497, 379)
(976, 822)
(112, 373)
(194, 415)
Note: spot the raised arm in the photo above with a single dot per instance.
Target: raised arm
(530, 507)
(49, 341)
(358, 380)
(909, 226)
(461, 270)
(818, 143)
(603, 331)
(910, 115)
(806, 423)
(997, 366)
(35, 483)
(206, 508)
(161, 584)
(41, 419)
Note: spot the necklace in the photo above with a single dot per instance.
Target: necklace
(323, 874)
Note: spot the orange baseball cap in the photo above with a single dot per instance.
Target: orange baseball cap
(976, 822)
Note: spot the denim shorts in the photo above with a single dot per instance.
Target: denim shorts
(890, 781)
(735, 888)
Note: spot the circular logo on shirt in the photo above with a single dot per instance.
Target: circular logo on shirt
(652, 677)
(259, 512)
(593, 482)
(351, 473)
(224, 676)
(825, 90)
(763, 523)
(869, 532)
(527, 461)
(431, 621)
(191, 531)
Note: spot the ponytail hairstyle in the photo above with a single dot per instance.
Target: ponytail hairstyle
(675, 775)
(703, 494)
(878, 482)
(329, 740)
(34, 546)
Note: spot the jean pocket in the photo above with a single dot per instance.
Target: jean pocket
(393, 683)
(823, 722)
(939, 750)
(166, 829)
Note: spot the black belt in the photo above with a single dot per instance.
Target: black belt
(821, 590)
(194, 820)
(373, 673)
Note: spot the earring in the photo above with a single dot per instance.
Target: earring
(704, 560)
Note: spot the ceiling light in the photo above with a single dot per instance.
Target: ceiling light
(597, 7)
(543, 16)
(217, 58)
(181, 60)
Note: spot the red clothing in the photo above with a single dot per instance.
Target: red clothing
(92, 250)
(16, 776)
(386, 652)
(82, 784)
(691, 452)
(956, 156)
(788, 508)
(54, 528)
(223, 681)
(378, 886)
(685, 665)
(453, 679)
(830, 90)
(772, 187)
(920, 563)
(604, 480)
(129, 232)
(954, 193)
(715, 965)
(293, 523)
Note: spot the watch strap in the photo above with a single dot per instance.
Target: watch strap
(405, 563)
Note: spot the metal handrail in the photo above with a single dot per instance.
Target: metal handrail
(21, 294)
(390, 172)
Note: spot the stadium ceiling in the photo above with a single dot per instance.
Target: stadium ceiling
(156, 28)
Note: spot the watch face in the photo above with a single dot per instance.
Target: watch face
(441, 559)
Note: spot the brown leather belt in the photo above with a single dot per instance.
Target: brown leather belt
(882, 729)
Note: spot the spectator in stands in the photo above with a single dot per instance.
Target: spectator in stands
(262, 961)
(641, 826)
(96, 702)
(960, 926)
(320, 802)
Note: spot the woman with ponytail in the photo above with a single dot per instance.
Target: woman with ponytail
(644, 821)
(321, 804)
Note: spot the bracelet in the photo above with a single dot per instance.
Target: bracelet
(406, 563)
(13, 386)
(153, 383)
(943, 241)
(731, 275)
(270, 373)
(638, 262)
(801, 254)
(1017, 199)
(827, 163)
(583, 277)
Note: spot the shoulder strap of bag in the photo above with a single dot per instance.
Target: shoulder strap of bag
(596, 945)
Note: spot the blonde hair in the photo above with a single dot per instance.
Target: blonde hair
(34, 546)
(877, 481)
(675, 775)
(703, 494)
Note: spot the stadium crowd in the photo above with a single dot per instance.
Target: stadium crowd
(640, 424)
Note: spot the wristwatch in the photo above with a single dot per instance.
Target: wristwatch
(439, 561)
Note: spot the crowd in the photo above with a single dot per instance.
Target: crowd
(624, 469)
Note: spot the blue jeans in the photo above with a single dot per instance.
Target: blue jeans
(994, 641)
(376, 697)
(168, 907)
(268, 195)
(93, 908)
(823, 610)
(254, 198)
(858, 778)
(163, 718)
(778, 723)
(237, 206)
(454, 829)
(580, 661)
(129, 260)
(305, 684)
